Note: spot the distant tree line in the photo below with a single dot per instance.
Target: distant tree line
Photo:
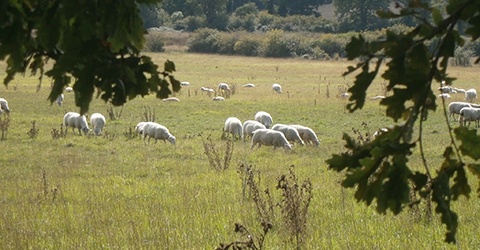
(253, 15)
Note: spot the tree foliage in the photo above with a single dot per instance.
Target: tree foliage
(94, 44)
(360, 14)
(380, 169)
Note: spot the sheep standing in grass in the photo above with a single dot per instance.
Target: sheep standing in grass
(76, 121)
(157, 132)
(69, 89)
(249, 126)
(139, 128)
(455, 107)
(470, 95)
(171, 99)
(469, 114)
(277, 88)
(60, 99)
(307, 134)
(4, 106)
(97, 121)
(249, 85)
(264, 118)
(269, 137)
(218, 98)
(290, 133)
(233, 126)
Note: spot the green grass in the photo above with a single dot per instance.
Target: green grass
(113, 192)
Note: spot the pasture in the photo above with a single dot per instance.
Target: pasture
(113, 191)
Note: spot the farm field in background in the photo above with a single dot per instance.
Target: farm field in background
(114, 191)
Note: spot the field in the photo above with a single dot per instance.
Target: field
(113, 191)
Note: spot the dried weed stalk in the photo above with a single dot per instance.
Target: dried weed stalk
(214, 156)
(4, 124)
(33, 132)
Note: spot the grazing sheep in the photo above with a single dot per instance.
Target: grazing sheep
(157, 132)
(249, 85)
(290, 133)
(264, 118)
(97, 121)
(185, 84)
(223, 87)
(4, 106)
(379, 132)
(60, 99)
(233, 126)
(249, 126)
(344, 95)
(277, 88)
(68, 89)
(446, 89)
(208, 90)
(218, 98)
(457, 90)
(444, 96)
(269, 137)
(139, 128)
(378, 97)
(171, 99)
(470, 95)
(455, 107)
(469, 114)
(307, 134)
(76, 121)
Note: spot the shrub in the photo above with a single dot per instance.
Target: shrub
(154, 42)
(247, 46)
(276, 44)
(204, 40)
(247, 23)
(226, 42)
(332, 45)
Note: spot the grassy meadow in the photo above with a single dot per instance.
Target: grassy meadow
(113, 191)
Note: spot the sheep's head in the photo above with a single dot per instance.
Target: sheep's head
(172, 139)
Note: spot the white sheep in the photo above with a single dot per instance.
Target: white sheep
(218, 98)
(4, 106)
(76, 121)
(157, 132)
(307, 134)
(249, 126)
(470, 95)
(139, 128)
(68, 89)
(264, 118)
(290, 133)
(455, 107)
(208, 90)
(277, 88)
(378, 97)
(171, 99)
(233, 126)
(249, 85)
(445, 89)
(457, 90)
(469, 114)
(223, 87)
(344, 95)
(269, 137)
(60, 99)
(444, 96)
(97, 121)
(185, 84)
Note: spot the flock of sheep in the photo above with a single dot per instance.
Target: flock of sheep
(262, 132)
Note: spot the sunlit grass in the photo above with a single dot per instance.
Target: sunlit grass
(117, 192)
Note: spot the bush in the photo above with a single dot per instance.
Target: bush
(247, 46)
(154, 42)
(204, 40)
(225, 43)
(247, 23)
(332, 45)
(277, 44)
